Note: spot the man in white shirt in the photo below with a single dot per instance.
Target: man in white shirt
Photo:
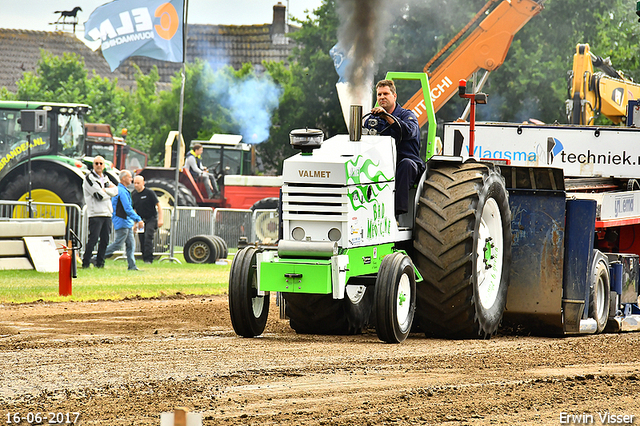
(98, 190)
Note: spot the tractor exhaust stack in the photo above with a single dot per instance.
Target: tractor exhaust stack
(355, 123)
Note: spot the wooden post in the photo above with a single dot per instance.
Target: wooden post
(180, 416)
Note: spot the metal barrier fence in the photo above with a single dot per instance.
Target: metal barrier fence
(229, 224)
(71, 214)
(191, 221)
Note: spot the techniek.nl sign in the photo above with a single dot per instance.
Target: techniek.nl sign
(578, 151)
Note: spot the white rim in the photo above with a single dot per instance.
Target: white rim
(355, 293)
(257, 302)
(403, 302)
(164, 197)
(489, 254)
(600, 308)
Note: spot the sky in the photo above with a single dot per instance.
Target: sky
(39, 14)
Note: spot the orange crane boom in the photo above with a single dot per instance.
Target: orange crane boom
(485, 48)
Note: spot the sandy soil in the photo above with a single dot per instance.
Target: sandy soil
(123, 363)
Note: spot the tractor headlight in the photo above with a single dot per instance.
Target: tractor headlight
(298, 233)
(306, 140)
(335, 234)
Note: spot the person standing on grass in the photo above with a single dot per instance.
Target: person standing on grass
(98, 190)
(124, 220)
(146, 204)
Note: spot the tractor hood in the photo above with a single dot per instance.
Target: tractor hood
(340, 161)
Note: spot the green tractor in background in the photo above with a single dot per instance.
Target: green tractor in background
(57, 154)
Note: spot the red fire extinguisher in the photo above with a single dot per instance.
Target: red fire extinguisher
(64, 273)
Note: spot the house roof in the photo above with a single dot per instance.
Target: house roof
(20, 52)
(226, 45)
(218, 44)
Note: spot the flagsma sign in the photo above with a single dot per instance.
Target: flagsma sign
(151, 28)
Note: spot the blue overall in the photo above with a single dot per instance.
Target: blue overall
(409, 166)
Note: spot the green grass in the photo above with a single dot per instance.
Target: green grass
(115, 282)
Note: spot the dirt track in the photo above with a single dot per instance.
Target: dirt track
(123, 363)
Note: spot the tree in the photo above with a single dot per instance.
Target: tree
(309, 96)
(534, 76)
(65, 79)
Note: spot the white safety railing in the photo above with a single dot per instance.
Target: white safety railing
(71, 214)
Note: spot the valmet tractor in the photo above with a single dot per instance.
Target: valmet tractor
(443, 268)
(344, 259)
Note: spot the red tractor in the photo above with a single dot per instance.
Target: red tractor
(99, 140)
(233, 164)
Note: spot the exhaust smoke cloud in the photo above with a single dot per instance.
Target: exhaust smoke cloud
(251, 102)
(364, 26)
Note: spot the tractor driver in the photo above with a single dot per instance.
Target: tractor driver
(406, 132)
(193, 162)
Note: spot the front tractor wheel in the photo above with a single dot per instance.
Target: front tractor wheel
(395, 298)
(462, 242)
(248, 310)
(599, 292)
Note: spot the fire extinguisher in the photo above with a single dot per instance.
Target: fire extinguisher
(64, 273)
(68, 268)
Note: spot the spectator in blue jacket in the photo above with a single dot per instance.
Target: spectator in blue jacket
(406, 132)
(124, 220)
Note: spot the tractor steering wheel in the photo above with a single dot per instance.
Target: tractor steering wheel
(216, 170)
(381, 117)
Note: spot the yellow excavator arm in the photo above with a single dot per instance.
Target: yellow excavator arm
(593, 93)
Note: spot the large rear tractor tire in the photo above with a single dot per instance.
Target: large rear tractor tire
(395, 298)
(165, 190)
(200, 249)
(462, 248)
(322, 314)
(248, 310)
(47, 186)
(269, 203)
(266, 223)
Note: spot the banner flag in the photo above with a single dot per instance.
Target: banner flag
(151, 28)
(340, 61)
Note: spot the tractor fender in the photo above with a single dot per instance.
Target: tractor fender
(444, 159)
(158, 173)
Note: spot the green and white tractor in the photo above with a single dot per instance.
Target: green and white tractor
(345, 262)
